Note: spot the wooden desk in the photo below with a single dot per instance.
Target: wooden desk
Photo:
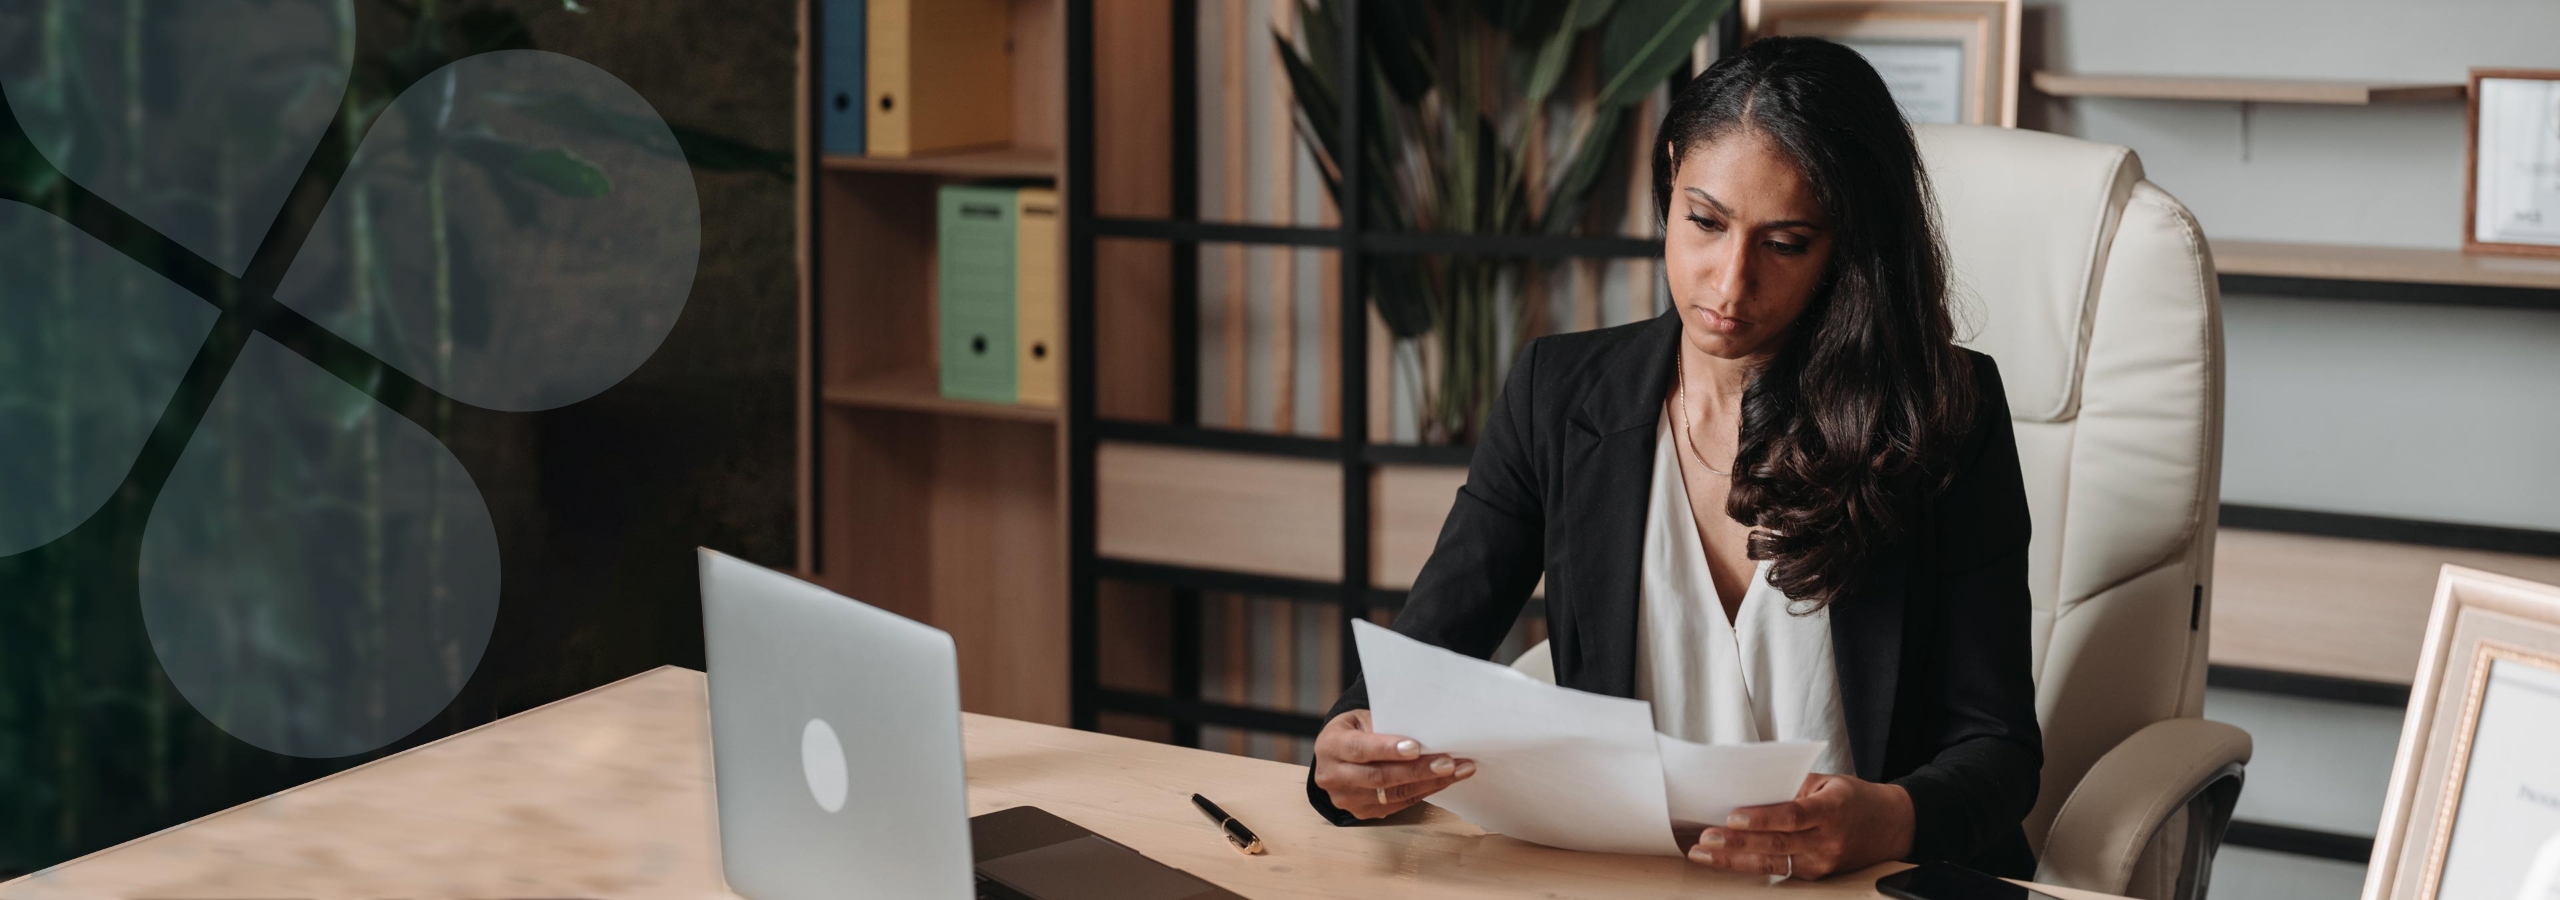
(608, 794)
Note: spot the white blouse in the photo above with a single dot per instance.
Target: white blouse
(1766, 675)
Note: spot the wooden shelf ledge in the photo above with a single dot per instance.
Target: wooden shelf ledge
(995, 162)
(2390, 264)
(2335, 607)
(919, 392)
(2247, 90)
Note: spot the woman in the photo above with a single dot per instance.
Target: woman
(1865, 582)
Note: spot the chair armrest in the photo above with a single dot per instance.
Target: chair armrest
(2105, 824)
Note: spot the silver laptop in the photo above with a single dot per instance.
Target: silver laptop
(835, 748)
(835, 735)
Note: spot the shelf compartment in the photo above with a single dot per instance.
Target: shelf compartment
(2248, 90)
(920, 391)
(2335, 607)
(1212, 509)
(1408, 506)
(956, 522)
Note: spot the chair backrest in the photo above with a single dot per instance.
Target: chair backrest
(2094, 290)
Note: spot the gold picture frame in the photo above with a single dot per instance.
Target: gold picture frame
(1947, 56)
(2491, 658)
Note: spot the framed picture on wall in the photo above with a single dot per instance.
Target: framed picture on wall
(2511, 200)
(1946, 61)
(2473, 811)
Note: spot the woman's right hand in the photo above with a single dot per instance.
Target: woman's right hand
(1371, 775)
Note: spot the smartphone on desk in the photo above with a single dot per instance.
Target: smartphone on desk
(1948, 881)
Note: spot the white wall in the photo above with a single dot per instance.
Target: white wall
(2347, 406)
(2334, 405)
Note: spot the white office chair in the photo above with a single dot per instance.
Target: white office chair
(2095, 292)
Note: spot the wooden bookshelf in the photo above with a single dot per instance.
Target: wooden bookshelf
(951, 512)
(954, 512)
(2248, 90)
(2390, 264)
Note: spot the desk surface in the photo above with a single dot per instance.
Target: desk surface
(608, 794)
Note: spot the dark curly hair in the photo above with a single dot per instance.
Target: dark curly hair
(1858, 414)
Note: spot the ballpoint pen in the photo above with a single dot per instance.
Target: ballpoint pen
(1242, 837)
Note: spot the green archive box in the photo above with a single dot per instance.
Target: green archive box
(977, 300)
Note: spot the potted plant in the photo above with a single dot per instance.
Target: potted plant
(1464, 130)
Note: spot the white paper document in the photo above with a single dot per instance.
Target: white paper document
(1706, 782)
(1557, 766)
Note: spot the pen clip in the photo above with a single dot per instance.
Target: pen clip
(1243, 838)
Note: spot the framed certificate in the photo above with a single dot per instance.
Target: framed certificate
(1946, 61)
(2473, 811)
(2512, 183)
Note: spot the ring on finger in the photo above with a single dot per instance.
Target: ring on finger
(1791, 866)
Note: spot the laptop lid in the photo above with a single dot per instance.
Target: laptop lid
(835, 738)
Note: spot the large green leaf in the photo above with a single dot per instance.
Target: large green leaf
(1590, 12)
(715, 153)
(1403, 295)
(1399, 36)
(1508, 200)
(575, 112)
(1553, 53)
(1567, 197)
(1388, 200)
(701, 149)
(564, 172)
(1319, 119)
(1319, 29)
(1645, 40)
(1537, 19)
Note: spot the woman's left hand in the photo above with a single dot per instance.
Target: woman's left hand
(1835, 824)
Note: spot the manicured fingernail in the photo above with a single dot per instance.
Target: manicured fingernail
(1408, 749)
(1707, 857)
(1711, 838)
(1737, 820)
(1443, 766)
(1466, 768)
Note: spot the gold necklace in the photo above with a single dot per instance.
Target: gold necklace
(1680, 368)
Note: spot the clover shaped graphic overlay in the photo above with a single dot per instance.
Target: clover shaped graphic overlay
(516, 231)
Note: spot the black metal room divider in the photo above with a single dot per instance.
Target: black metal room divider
(1354, 449)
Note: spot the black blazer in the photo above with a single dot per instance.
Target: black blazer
(1932, 651)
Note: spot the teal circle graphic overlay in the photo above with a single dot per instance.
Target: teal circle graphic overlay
(570, 232)
(319, 576)
(87, 367)
(517, 230)
(207, 148)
